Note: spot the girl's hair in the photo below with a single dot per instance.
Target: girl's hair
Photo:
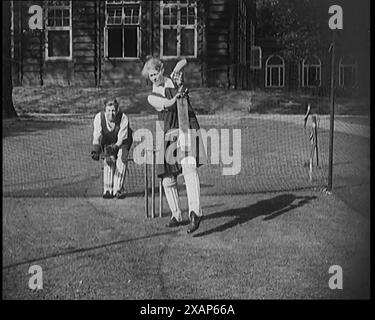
(110, 103)
(151, 63)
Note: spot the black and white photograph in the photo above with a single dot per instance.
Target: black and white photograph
(187, 150)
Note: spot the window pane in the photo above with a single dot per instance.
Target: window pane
(128, 16)
(187, 42)
(114, 16)
(170, 42)
(191, 17)
(131, 15)
(256, 57)
(313, 76)
(341, 80)
(170, 16)
(58, 14)
(115, 44)
(58, 44)
(51, 13)
(58, 22)
(268, 83)
(184, 16)
(50, 17)
(275, 77)
(58, 3)
(348, 60)
(131, 40)
(166, 16)
(135, 18)
(276, 61)
(57, 17)
(174, 15)
(305, 76)
(349, 77)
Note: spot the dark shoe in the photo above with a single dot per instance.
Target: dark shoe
(173, 223)
(194, 222)
(107, 195)
(120, 194)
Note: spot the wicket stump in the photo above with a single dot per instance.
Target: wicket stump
(146, 184)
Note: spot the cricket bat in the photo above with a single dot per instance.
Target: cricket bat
(182, 111)
(180, 65)
(183, 123)
(307, 115)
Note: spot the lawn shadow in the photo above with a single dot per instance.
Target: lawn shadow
(73, 250)
(186, 222)
(270, 209)
(19, 127)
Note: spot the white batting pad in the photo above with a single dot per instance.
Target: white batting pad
(119, 176)
(108, 173)
(189, 163)
(192, 189)
(171, 193)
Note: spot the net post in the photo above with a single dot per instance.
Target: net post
(160, 197)
(146, 185)
(316, 139)
(332, 115)
(153, 184)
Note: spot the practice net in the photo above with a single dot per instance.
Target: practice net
(51, 157)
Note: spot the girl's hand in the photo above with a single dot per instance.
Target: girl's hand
(171, 102)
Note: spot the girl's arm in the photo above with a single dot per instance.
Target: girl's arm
(160, 103)
(123, 132)
(177, 74)
(171, 102)
(97, 130)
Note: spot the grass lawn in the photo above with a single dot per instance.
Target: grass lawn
(266, 232)
(361, 120)
(133, 100)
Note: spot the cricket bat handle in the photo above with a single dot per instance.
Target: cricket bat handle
(181, 64)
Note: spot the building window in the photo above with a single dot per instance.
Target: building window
(256, 58)
(178, 29)
(347, 72)
(275, 72)
(242, 26)
(12, 29)
(311, 72)
(255, 51)
(59, 44)
(122, 32)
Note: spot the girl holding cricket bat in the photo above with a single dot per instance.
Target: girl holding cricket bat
(165, 93)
